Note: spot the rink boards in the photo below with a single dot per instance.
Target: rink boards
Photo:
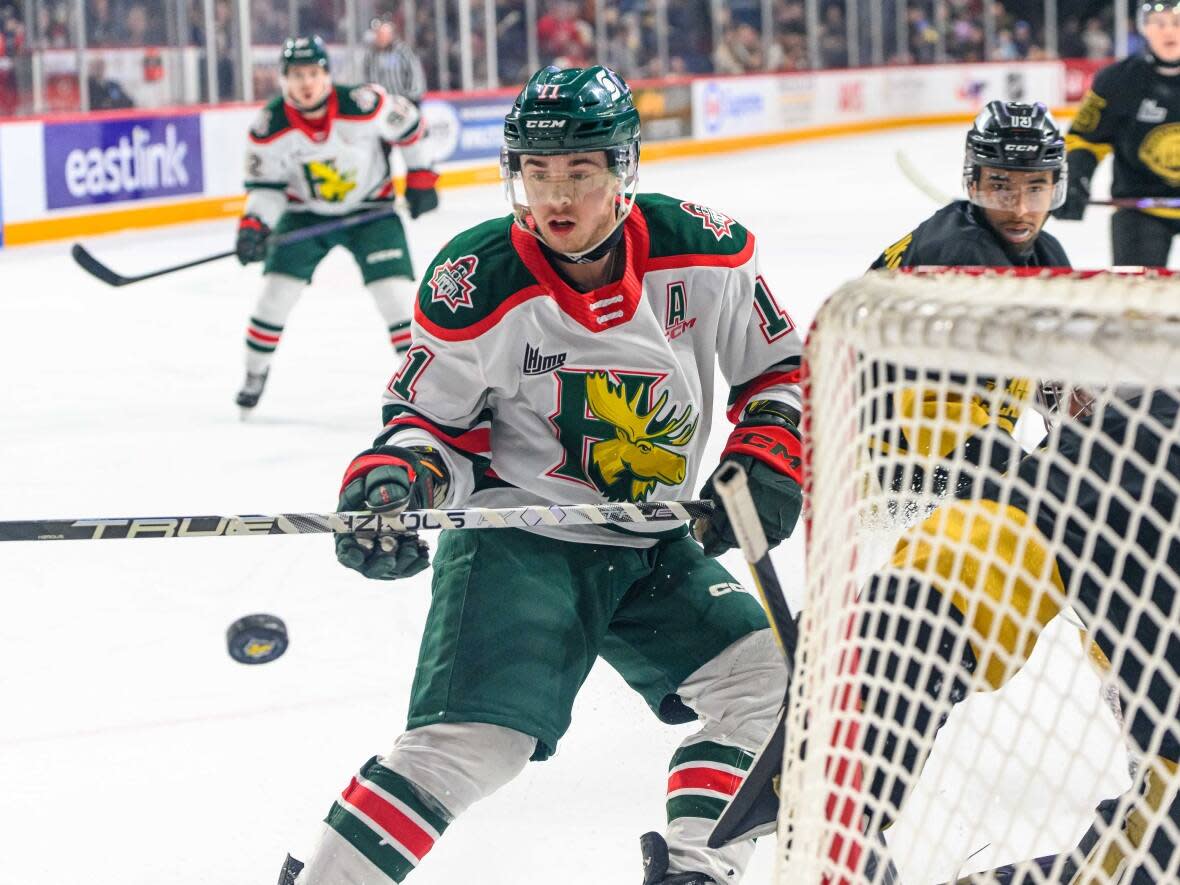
(71, 176)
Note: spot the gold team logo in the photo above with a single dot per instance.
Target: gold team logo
(327, 182)
(1160, 152)
(612, 441)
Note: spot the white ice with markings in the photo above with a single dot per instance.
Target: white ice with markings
(134, 751)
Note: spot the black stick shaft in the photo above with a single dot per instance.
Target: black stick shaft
(97, 269)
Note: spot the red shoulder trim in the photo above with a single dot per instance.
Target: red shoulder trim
(668, 262)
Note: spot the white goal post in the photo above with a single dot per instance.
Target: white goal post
(987, 450)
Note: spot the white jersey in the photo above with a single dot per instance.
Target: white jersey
(537, 393)
(335, 165)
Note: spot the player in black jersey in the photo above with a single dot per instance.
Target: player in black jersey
(1014, 173)
(1133, 109)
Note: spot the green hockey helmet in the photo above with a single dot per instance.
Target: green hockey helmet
(569, 111)
(303, 51)
(575, 109)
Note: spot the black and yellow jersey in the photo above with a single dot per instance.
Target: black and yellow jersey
(1133, 111)
(927, 415)
(957, 235)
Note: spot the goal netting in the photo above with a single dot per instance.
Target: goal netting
(988, 660)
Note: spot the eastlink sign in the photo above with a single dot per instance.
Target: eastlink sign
(132, 158)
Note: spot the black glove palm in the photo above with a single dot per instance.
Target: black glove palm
(253, 234)
(1077, 196)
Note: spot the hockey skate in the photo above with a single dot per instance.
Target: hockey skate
(655, 864)
(290, 871)
(251, 391)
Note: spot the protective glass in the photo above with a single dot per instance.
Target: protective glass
(1011, 194)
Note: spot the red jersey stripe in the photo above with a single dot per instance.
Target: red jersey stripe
(264, 337)
(390, 818)
(670, 262)
(477, 441)
(702, 778)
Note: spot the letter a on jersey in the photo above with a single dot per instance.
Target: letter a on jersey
(612, 441)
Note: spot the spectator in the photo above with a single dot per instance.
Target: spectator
(1069, 41)
(740, 51)
(562, 37)
(102, 24)
(392, 64)
(1098, 42)
(140, 30)
(833, 38)
(105, 94)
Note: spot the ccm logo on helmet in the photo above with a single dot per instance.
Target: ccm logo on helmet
(544, 124)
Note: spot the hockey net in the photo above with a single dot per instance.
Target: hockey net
(1072, 699)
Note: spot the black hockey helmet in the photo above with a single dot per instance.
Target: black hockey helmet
(1017, 136)
(303, 51)
(1149, 6)
(1141, 16)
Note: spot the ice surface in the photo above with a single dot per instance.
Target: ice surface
(132, 748)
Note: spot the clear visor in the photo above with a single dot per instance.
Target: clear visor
(1017, 192)
(535, 184)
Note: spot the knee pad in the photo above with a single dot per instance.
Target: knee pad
(458, 763)
(738, 693)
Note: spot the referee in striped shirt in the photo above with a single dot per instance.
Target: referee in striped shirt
(392, 64)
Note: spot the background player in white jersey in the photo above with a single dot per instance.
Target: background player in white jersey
(567, 353)
(321, 151)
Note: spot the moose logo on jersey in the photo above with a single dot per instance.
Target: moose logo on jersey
(327, 182)
(612, 441)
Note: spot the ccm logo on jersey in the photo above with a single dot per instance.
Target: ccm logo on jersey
(544, 124)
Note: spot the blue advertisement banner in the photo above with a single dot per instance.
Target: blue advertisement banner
(112, 161)
(466, 128)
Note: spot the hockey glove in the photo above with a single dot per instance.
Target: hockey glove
(389, 479)
(252, 236)
(421, 195)
(766, 444)
(1077, 195)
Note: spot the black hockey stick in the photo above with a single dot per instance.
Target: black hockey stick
(732, 486)
(753, 810)
(528, 516)
(96, 268)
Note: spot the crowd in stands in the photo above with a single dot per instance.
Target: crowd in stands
(731, 43)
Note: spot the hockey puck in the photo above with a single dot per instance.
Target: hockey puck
(256, 639)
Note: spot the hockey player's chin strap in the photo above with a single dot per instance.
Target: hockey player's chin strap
(603, 249)
(587, 256)
(1161, 64)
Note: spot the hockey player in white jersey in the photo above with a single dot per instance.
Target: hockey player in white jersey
(321, 151)
(566, 353)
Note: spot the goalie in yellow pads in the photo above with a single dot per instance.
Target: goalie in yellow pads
(1088, 521)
